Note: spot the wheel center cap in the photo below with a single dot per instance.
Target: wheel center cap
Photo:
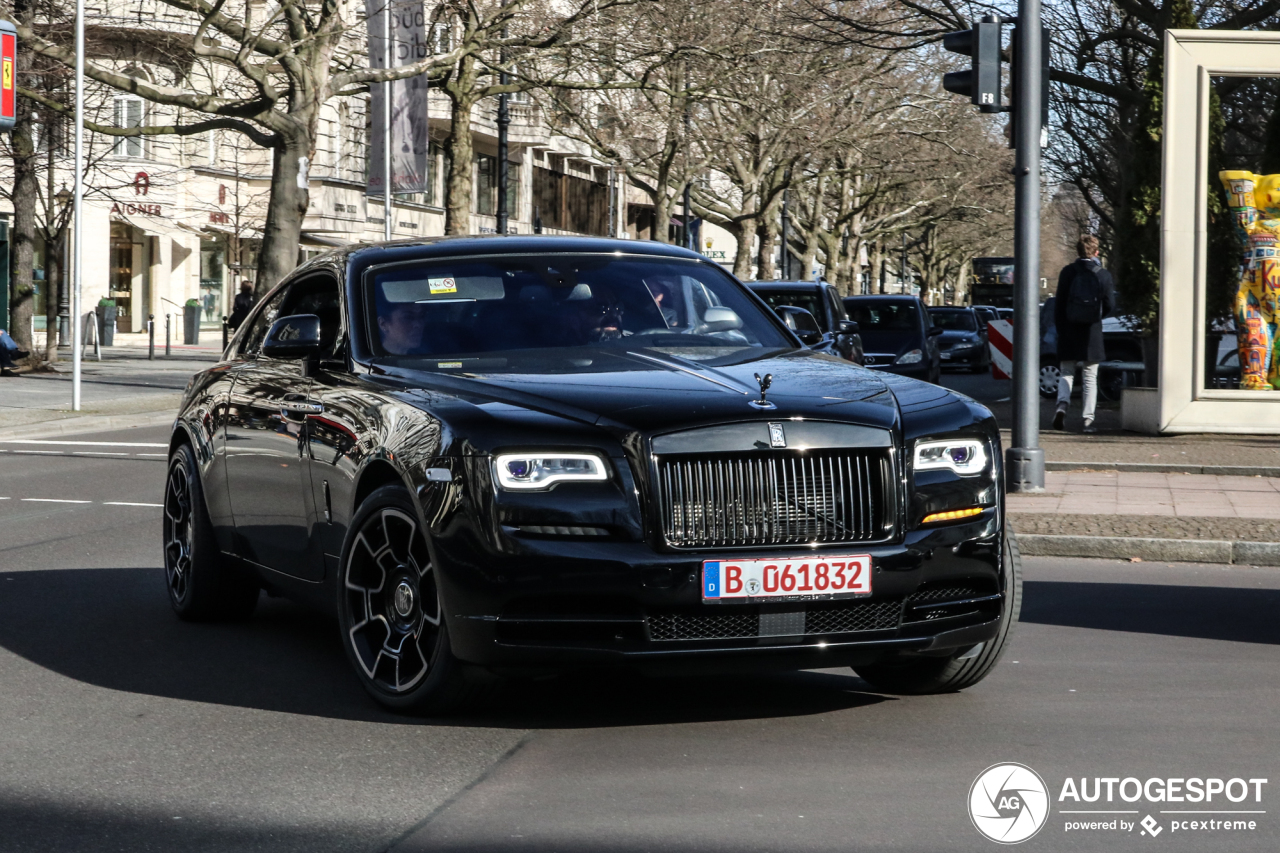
(404, 599)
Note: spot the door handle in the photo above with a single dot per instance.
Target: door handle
(301, 408)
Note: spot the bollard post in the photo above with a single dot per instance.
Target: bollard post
(167, 318)
(224, 333)
(151, 337)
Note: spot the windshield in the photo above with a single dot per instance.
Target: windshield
(807, 301)
(885, 316)
(482, 307)
(955, 321)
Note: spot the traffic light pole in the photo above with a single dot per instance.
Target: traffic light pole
(1024, 459)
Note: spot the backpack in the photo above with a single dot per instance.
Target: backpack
(1084, 302)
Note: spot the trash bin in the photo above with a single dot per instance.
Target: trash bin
(106, 323)
(191, 324)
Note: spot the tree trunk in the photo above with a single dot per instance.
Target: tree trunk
(662, 215)
(457, 201)
(767, 232)
(742, 231)
(286, 207)
(53, 278)
(26, 194)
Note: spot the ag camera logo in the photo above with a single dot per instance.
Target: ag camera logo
(1008, 803)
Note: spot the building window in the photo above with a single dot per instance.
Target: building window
(129, 112)
(486, 183)
(487, 186)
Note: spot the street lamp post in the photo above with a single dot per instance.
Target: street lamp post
(64, 275)
(1024, 468)
(387, 55)
(504, 125)
(77, 251)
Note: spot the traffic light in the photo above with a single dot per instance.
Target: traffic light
(1044, 85)
(981, 82)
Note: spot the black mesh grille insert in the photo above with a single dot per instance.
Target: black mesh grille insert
(703, 626)
(954, 592)
(773, 498)
(836, 618)
(862, 616)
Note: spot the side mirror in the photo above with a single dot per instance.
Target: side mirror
(934, 331)
(296, 336)
(721, 319)
(801, 322)
(848, 327)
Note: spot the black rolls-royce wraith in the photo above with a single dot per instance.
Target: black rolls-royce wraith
(529, 453)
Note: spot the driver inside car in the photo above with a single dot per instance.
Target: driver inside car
(660, 290)
(401, 327)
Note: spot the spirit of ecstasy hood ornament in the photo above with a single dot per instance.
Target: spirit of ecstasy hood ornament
(762, 403)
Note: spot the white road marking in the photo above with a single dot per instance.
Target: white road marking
(161, 455)
(89, 453)
(83, 443)
(54, 452)
(54, 501)
(126, 503)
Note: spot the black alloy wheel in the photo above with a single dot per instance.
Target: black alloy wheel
(963, 667)
(201, 585)
(391, 615)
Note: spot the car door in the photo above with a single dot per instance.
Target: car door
(268, 475)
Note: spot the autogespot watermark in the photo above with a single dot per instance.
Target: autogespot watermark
(1009, 803)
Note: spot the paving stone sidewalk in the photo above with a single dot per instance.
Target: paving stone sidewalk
(125, 388)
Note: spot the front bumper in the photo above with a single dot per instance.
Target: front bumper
(556, 603)
(971, 355)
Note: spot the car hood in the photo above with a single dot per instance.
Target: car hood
(651, 392)
(957, 335)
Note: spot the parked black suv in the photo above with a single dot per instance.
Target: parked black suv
(821, 300)
(897, 335)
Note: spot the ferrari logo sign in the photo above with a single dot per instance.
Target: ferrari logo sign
(8, 81)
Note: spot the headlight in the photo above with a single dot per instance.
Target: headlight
(913, 357)
(544, 470)
(965, 456)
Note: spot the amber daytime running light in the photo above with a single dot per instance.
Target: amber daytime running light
(952, 515)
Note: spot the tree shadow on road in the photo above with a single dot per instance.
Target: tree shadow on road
(113, 628)
(1203, 612)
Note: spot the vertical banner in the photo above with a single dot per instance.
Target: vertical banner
(8, 74)
(409, 138)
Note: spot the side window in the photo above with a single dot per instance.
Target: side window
(837, 307)
(251, 343)
(317, 295)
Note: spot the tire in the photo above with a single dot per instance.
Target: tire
(390, 613)
(202, 586)
(921, 676)
(1049, 374)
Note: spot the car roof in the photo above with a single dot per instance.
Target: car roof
(949, 308)
(368, 254)
(784, 285)
(884, 297)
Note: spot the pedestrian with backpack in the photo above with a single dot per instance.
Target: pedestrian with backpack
(1086, 294)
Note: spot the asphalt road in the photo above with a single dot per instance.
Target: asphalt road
(124, 729)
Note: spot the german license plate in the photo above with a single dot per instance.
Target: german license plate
(786, 580)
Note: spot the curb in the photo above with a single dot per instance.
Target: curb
(1159, 468)
(88, 423)
(1157, 550)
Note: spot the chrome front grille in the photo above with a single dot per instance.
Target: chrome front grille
(787, 498)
